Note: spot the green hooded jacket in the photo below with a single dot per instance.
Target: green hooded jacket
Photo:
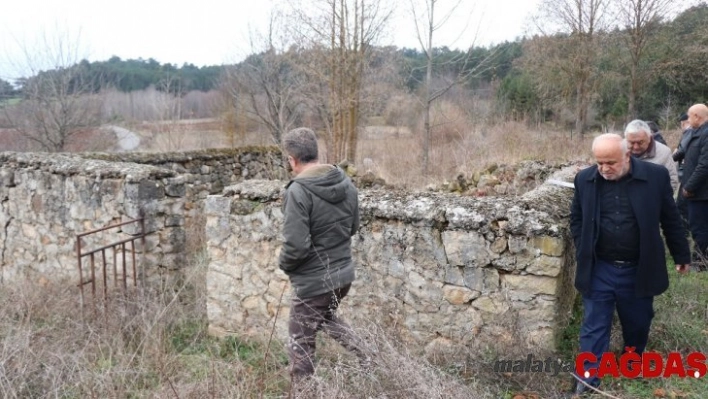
(321, 214)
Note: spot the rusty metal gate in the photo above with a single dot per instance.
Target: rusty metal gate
(101, 272)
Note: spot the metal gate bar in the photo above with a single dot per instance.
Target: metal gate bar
(115, 247)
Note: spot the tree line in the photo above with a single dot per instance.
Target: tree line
(130, 75)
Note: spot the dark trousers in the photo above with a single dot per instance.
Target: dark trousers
(307, 317)
(613, 288)
(682, 205)
(698, 223)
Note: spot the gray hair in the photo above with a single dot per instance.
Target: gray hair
(301, 144)
(637, 126)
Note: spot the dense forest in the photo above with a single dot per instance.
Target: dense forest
(579, 77)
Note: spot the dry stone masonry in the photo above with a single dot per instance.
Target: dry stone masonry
(46, 199)
(443, 270)
(438, 268)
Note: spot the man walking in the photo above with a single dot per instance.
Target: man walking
(643, 146)
(321, 214)
(620, 207)
(695, 183)
(678, 156)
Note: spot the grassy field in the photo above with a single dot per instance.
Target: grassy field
(680, 325)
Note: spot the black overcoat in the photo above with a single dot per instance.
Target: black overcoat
(653, 205)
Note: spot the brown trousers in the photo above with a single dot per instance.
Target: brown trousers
(307, 317)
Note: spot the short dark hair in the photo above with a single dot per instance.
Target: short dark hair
(301, 144)
(653, 126)
(683, 117)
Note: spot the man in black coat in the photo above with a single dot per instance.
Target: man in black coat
(656, 133)
(695, 183)
(620, 207)
(678, 156)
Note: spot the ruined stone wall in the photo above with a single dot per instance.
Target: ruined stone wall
(440, 269)
(209, 171)
(47, 199)
(206, 172)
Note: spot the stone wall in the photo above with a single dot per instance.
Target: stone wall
(208, 171)
(440, 269)
(47, 199)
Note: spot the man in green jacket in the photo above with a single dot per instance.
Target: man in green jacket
(321, 214)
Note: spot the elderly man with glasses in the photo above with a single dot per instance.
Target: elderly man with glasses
(642, 145)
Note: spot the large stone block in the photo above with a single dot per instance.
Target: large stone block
(529, 284)
(456, 295)
(491, 304)
(467, 248)
(176, 187)
(545, 266)
(217, 205)
(551, 246)
(145, 190)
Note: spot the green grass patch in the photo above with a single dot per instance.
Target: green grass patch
(10, 101)
(681, 320)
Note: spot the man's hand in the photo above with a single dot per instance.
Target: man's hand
(682, 269)
(686, 193)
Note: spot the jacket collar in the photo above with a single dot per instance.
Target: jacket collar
(701, 129)
(651, 150)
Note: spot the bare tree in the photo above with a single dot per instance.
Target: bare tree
(575, 25)
(339, 34)
(427, 25)
(641, 19)
(60, 101)
(267, 82)
(167, 107)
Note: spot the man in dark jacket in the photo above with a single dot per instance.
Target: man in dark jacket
(656, 133)
(695, 183)
(678, 156)
(620, 207)
(321, 214)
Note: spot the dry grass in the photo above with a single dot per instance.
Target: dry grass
(154, 345)
(195, 134)
(394, 153)
(398, 160)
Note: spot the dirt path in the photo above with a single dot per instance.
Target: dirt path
(127, 140)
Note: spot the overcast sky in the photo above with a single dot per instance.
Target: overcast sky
(210, 32)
